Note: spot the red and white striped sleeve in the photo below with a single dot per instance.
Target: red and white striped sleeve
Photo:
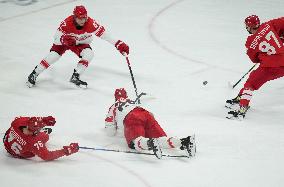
(110, 123)
(99, 29)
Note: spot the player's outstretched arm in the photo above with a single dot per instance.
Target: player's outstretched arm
(41, 151)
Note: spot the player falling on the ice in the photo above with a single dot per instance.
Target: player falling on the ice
(75, 33)
(264, 46)
(26, 139)
(141, 130)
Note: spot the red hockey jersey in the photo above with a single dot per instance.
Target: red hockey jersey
(266, 46)
(21, 145)
(83, 35)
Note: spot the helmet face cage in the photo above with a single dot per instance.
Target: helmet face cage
(120, 93)
(252, 21)
(80, 12)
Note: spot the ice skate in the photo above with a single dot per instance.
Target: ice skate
(75, 79)
(154, 145)
(231, 103)
(188, 144)
(32, 79)
(238, 114)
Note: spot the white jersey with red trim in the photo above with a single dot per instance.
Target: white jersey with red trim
(83, 35)
(116, 115)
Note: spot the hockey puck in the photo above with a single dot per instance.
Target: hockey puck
(205, 82)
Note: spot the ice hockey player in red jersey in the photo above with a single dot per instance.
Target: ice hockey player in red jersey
(140, 128)
(75, 33)
(25, 139)
(265, 47)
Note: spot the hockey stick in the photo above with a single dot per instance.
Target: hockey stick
(132, 77)
(243, 76)
(132, 152)
(121, 104)
(138, 98)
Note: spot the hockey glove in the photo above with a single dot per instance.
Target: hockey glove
(72, 148)
(49, 120)
(122, 47)
(68, 40)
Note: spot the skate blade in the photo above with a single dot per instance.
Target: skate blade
(29, 84)
(235, 118)
(159, 154)
(193, 146)
(229, 106)
(192, 151)
(232, 106)
(79, 86)
(83, 86)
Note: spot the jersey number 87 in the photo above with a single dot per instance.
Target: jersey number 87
(266, 47)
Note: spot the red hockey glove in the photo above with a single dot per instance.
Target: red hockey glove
(68, 40)
(72, 148)
(122, 47)
(49, 120)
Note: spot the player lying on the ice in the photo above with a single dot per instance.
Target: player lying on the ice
(25, 139)
(264, 46)
(141, 130)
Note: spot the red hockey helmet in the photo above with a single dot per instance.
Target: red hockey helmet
(34, 124)
(252, 21)
(80, 12)
(120, 93)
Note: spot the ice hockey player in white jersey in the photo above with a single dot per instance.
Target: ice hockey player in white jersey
(140, 128)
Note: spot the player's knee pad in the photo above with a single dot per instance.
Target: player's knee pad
(87, 54)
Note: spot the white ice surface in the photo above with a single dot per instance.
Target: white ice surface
(174, 46)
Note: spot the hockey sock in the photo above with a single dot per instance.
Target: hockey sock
(246, 97)
(50, 59)
(140, 143)
(169, 142)
(41, 67)
(81, 66)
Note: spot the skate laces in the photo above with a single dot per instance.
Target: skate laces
(243, 109)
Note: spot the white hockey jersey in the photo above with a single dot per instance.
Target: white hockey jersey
(116, 114)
